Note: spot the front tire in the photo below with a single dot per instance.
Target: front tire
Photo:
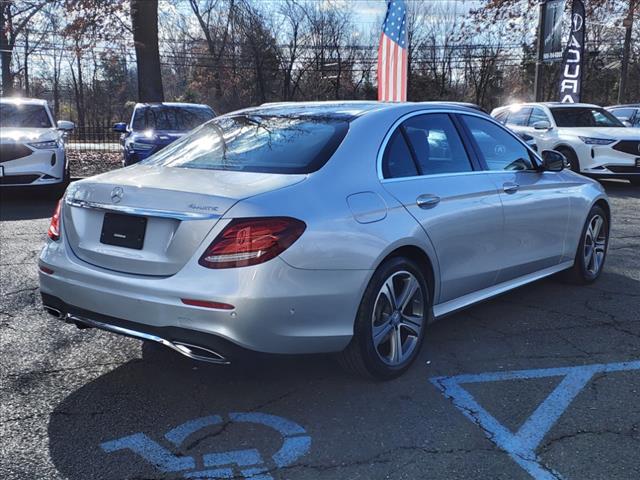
(592, 249)
(574, 163)
(391, 321)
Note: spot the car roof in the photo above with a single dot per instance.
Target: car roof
(171, 104)
(627, 105)
(23, 101)
(346, 110)
(551, 105)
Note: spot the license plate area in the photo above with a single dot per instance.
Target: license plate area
(123, 230)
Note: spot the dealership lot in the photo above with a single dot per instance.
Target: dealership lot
(90, 405)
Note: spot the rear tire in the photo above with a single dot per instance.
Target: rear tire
(391, 321)
(592, 249)
(574, 163)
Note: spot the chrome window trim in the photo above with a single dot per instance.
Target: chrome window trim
(145, 212)
(406, 116)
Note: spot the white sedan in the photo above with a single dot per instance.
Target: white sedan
(32, 145)
(594, 141)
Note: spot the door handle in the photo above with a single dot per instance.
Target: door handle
(510, 187)
(427, 201)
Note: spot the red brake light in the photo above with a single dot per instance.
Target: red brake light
(249, 241)
(54, 226)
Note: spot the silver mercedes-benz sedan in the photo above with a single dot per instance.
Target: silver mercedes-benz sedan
(318, 227)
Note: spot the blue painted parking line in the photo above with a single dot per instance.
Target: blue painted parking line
(521, 446)
(248, 462)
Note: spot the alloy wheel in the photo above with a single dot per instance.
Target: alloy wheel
(398, 318)
(595, 244)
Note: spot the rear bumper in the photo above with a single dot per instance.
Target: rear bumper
(278, 309)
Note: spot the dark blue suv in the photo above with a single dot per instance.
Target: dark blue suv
(153, 126)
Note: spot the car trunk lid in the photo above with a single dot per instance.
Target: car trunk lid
(150, 220)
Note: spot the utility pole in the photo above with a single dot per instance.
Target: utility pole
(624, 69)
(540, 54)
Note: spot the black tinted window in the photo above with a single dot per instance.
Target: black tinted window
(500, 150)
(436, 144)
(584, 117)
(519, 117)
(397, 161)
(257, 143)
(172, 118)
(23, 116)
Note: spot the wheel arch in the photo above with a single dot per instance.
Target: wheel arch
(419, 256)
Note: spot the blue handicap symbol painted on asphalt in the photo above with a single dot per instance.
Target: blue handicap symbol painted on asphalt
(248, 462)
(521, 446)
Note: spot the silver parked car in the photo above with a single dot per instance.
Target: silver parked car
(318, 227)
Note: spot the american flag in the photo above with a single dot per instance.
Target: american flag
(392, 54)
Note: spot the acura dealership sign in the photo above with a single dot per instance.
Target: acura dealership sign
(572, 64)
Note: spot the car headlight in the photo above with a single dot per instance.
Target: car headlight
(141, 146)
(597, 141)
(45, 144)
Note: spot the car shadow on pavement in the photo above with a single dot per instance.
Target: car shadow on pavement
(25, 204)
(621, 189)
(349, 420)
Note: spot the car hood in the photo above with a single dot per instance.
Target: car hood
(26, 135)
(617, 133)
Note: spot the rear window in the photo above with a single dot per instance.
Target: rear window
(257, 143)
(584, 117)
(171, 118)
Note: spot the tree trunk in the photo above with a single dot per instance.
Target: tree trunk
(6, 50)
(144, 20)
(26, 64)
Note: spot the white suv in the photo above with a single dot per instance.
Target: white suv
(594, 141)
(32, 145)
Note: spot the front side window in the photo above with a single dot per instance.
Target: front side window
(502, 116)
(537, 115)
(170, 118)
(520, 117)
(15, 115)
(257, 143)
(584, 117)
(500, 150)
(623, 113)
(436, 144)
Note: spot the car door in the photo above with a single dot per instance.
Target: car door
(426, 167)
(535, 203)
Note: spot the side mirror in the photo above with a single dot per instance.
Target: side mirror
(542, 125)
(66, 126)
(553, 161)
(120, 127)
(627, 123)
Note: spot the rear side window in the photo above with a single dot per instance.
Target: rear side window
(257, 143)
(520, 117)
(436, 144)
(500, 150)
(397, 161)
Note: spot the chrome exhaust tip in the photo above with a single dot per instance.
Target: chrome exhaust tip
(194, 352)
(199, 353)
(53, 311)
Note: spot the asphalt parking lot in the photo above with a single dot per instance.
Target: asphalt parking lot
(543, 382)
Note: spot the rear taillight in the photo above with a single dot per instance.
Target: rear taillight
(249, 241)
(54, 226)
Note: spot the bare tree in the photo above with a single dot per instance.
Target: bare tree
(144, 22)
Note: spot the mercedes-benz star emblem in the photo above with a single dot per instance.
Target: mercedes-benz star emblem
(116, 194)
